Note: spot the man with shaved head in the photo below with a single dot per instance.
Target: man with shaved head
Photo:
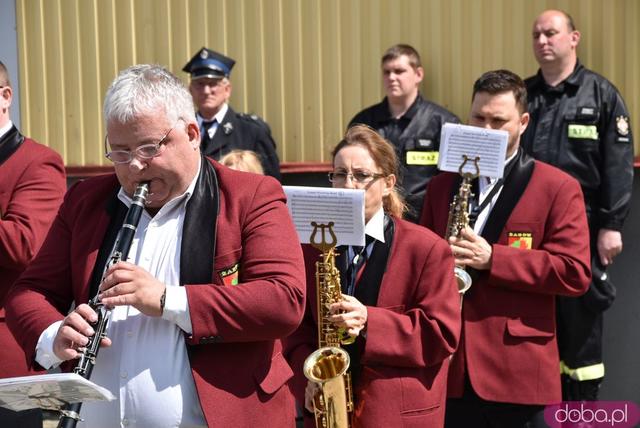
(580, 124)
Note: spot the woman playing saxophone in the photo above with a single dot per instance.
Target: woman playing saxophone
(400, 300)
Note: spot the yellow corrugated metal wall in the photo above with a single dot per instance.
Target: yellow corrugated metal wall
(306, 66)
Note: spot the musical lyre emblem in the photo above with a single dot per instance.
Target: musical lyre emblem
(469, 175)
(323, 245)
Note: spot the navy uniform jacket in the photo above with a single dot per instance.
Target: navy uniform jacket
(240, 131)
(416, 138)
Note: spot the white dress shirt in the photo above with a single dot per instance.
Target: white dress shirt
(485, 184)
(147, 367)
(6, 128)
(375, 229)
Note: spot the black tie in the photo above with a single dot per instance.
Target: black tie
(207, 142)
(356, 264)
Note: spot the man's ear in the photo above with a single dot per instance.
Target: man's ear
(193, 131)
(227, 91)
(420, 73)
(524, 122)
(6, 96)
(575, 38)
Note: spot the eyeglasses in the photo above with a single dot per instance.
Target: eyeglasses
(361, 177)
(145, 151)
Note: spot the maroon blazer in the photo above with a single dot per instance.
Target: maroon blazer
(508, 345)
(234, 351)
(410, 334)
(32, 185)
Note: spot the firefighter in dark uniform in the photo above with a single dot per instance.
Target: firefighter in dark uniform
(580, 124)
(223, 129)
(409, 122)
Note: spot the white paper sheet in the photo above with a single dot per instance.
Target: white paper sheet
(343, 207)
(488, 144)
(49, 391)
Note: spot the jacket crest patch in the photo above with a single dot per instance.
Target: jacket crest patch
(523, 240)
(229, 275)
(622, 124)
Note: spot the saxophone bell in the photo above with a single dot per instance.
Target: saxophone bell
(463, 279)
(332, 403)
(326, 363)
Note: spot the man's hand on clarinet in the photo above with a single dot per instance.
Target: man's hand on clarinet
(127, 284)
(73, 335)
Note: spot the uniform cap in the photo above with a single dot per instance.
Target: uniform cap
(208, 63)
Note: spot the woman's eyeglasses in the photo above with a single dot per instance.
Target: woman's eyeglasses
(361, 177)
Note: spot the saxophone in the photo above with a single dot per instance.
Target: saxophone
(328, 365)
(459, 219)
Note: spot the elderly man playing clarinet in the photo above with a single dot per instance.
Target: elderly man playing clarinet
(211, 283)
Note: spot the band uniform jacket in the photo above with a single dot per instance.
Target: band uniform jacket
(239, 131)
(234, 350)
(508, 346)
(32, 186)
(410, 334)
(416, 146)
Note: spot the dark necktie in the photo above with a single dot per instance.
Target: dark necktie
(207, 142)
(356, 265)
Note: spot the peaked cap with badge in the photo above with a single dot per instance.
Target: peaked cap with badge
(237, 131)
(208, 63)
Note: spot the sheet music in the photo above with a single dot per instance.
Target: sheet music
(49, 391)
(489, 144)
(343, 207)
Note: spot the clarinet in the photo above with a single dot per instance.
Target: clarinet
(70, 413)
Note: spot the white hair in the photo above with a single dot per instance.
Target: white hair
(147, 89)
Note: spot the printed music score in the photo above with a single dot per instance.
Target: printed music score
(49, 391)
(489, 144)
(343, 207)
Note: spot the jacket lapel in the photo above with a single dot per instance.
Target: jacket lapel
(417, 120)
(514, 186)
(9, 143)
(199, 230)
(223, 135)
(107, 230)
(368, 288)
